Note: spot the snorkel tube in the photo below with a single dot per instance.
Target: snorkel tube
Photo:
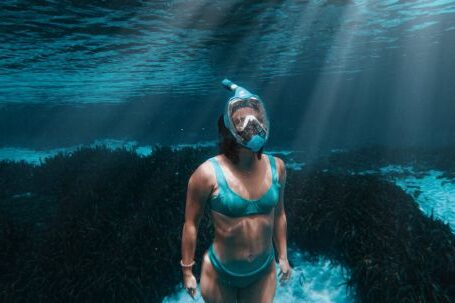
(240, 92)
(229, 84)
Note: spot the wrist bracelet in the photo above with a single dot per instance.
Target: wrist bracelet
(186, 265)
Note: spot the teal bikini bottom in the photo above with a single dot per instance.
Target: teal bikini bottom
(238, 279)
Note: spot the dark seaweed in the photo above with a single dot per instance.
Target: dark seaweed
(103, 225)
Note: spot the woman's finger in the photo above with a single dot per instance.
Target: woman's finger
(191, 291)
(286, 276)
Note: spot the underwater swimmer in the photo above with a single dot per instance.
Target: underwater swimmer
(244, 191)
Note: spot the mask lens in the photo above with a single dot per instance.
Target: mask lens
(250, 127)
(248, 118)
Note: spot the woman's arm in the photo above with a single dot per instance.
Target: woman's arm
(198, 192)
(280, 226)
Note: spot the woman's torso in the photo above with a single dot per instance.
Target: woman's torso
(243, 209)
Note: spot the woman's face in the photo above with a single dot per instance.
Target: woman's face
(238, 117)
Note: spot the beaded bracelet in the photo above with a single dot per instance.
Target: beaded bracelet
(186, 265)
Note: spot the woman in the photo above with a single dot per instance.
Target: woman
(244, 190)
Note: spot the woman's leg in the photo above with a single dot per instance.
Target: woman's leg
(212, 290)
(261, 290)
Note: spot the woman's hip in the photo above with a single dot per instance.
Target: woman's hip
(244, 278)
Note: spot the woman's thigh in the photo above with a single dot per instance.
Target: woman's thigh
(212, 290)
(262, 290)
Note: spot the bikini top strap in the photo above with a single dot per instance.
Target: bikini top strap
(221, 180)
(219, 173)
(273, 165)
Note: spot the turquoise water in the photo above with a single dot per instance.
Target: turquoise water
(335, 75)
(343, 73)
(113, 51)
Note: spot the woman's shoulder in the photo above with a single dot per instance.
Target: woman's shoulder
(280, 166)
(217, 159)
(278, 161)
(204, 173)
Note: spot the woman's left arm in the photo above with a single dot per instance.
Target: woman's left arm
(280, 225)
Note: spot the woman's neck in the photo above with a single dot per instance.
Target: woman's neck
(247, 160)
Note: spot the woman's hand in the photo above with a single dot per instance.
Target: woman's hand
(285, 270)
(190, 283)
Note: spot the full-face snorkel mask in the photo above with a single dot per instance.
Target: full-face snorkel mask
(250, 128)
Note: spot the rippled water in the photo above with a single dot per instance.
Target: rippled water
(113, 51)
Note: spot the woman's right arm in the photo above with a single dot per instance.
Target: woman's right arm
(199, 189)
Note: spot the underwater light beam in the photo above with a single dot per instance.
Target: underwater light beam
(297, 31)
(323, 101)
(415, 82)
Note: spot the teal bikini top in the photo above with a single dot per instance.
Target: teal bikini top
(232, 204)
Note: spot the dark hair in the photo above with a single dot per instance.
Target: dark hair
(227, 143)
